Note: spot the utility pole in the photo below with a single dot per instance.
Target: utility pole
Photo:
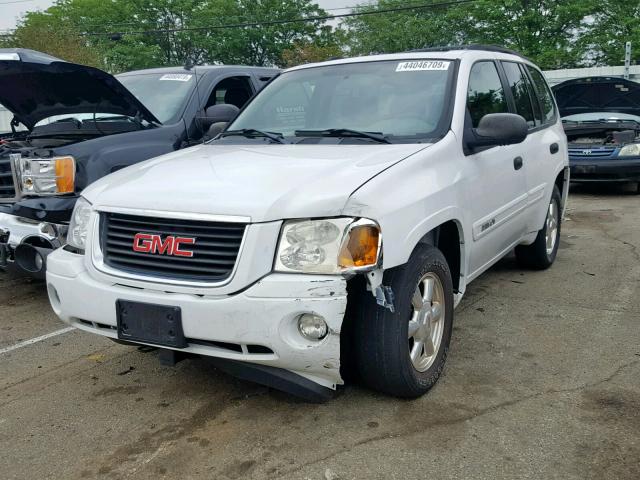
(627, 60)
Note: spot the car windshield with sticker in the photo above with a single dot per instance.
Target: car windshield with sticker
(164, 94)
(403, 101)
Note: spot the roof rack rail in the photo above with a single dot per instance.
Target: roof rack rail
(473, 46)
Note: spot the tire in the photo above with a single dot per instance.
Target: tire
(381, 340)
(540, 255)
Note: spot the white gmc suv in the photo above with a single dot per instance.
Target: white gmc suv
(332, 225)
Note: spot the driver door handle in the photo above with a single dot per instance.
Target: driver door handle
(517, 163)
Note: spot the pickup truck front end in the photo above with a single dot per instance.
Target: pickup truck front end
(73, 124)
(26, 240)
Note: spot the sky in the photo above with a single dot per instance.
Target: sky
(11, 10)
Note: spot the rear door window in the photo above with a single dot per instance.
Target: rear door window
(485, 94)
(544, 95)
(537, 112)
(519, 85)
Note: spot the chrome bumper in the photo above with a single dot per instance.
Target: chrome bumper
(15, 231)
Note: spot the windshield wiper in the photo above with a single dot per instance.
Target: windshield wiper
(343, 132)
(252, 132)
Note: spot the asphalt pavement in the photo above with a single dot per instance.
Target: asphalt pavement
(542, 382)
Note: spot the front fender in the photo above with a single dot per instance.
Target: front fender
(410, 199)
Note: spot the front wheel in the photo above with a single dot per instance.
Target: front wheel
(543, 251)
(402, 353)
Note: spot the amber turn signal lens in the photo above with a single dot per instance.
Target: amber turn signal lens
(65, 174)
(361, 248)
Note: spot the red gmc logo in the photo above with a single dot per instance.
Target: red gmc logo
(149, 243)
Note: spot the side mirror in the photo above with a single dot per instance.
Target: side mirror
(216, 128)
(497, 129)
(223, 112)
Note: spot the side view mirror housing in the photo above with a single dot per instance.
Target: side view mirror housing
(216, 128)
(497, 129)
(222, 113)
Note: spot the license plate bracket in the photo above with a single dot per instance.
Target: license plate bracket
(150, 323)
(585, 169)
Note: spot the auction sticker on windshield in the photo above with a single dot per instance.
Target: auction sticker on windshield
(176, 77)
(421, 65)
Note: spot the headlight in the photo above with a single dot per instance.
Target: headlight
(631, 150)
(77, 235)
(329, 246)
(47, 176)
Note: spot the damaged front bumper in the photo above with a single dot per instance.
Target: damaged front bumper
(32, 236)
(257, 326)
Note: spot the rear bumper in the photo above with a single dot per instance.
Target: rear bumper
(612, 170)
(224, 326)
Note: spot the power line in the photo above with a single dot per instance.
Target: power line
(16, 1)
(282, 22)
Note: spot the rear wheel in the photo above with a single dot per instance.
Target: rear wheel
(543, 251)
(402, 353)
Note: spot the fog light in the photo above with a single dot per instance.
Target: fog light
(312, 327)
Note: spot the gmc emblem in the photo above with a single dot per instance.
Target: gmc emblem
(149, 243)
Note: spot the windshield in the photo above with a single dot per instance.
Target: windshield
(164, 94)
(403, 100)
(601, 116)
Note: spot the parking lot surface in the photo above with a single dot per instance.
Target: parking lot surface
(542, 382)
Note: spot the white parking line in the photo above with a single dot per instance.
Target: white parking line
(31, 341)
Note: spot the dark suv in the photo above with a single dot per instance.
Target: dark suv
(74, 124)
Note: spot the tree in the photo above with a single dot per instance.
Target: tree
(615, 23)
(132, 34)
(35, 32)
(545, 30)
(265, 44)
(401, 31)
(306, 52)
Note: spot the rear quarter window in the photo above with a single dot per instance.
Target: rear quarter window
(520, 90)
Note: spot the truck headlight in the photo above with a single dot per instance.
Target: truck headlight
(79, 225)
(631, 150)
(47, 176)
(329, 246)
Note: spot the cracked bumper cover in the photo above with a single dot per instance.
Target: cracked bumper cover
(18, 229)
(14, 230)
(263, 314)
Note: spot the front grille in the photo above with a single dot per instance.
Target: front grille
(215, 250)
(7, 188)
(586, 152)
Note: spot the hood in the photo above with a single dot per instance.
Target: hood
(598, 94)
(34, 86)
(265, 183)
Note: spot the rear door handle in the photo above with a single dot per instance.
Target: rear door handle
(517, 163)
(554, 148)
